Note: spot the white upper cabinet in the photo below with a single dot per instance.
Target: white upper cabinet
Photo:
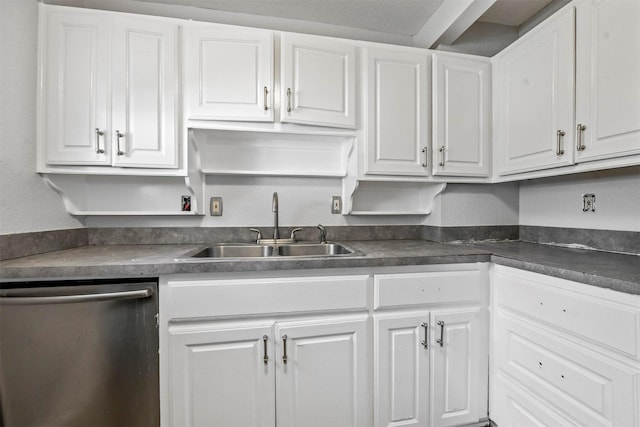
(228, 72)
(109, 89)
(461, 115)
(607, 79)
(318, 81)
(534, 111)
(396, 111)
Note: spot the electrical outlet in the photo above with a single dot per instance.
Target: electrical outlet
(588, 202)
(336, 205)
(216, 206)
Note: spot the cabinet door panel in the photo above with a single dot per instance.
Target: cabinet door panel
(227, 70)
(401, 374)
(459, 367)
(397, 113)
(325, 380)
(218, 377)
(318, 81)
(144, 93)
(461, 116)
(608, 78)
(75, 88)
(535, 81)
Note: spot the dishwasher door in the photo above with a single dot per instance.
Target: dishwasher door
(79, 354)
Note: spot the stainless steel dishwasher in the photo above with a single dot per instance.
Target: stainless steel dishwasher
(82, 353)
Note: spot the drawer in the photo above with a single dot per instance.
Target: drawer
(212, 298)
(408, 289)
(604, 321)
(589, 387)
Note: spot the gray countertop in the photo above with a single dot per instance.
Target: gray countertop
(615, 271)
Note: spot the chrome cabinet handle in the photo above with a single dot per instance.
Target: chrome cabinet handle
(99, 133)
(266, 92)
(441, 340)
(424, 164)
(581, 128)
(559, 150)
(289, 99)
(63, 299)
(425, 341)
(284, 345)
(441, 149)
(264, 342)
(118, 136)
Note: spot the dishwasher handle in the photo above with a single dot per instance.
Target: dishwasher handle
(65, 299)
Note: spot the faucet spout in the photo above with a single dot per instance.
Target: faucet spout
(274, 208)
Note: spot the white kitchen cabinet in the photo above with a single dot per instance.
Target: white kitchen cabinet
(438, 354)
(396, 111)
(323, 380)
(318, 81)
(248, 351)
(228, 72)
(109, 89)
(533, 105)
(563, 351)
(461, 122)
(607, 79)
(219, 376)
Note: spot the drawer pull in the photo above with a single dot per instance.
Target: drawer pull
(284, 345)
(99, 133)
(581, 128)
(289, 99)
(425, 341)
(264, 342)
(441, 340)
(266, 94)
(559, 149)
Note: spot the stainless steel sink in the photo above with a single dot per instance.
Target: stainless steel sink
(314, 249)
(248, 250)
(224, 250)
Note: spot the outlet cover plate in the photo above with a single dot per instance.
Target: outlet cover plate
(336, 205)
(216, 206)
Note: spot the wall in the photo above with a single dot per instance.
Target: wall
(557, 202)
(26, 203)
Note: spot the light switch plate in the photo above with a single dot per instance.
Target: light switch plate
(216, 206)
(336, 205)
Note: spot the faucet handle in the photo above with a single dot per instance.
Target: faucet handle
(293, 233)
(259, 237)
(323, 233)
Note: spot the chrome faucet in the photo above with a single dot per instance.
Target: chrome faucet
(274, 208)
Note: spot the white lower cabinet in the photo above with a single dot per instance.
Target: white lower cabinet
(431, 348)
(563, 353)
(302, 361)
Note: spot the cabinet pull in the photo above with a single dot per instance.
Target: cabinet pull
(118, 136)
(99, 133)
(264, 342)
(559, 150)
(441, 340)
(425, 341)
(441, 149)
(289, 99)
(581, 128)
(424, 164)
(284, 346)
(266, 92)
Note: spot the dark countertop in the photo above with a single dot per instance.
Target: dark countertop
(615, 271)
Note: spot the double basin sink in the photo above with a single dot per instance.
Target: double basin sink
(256, 250)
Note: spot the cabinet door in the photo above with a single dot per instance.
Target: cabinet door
(228, 73)
(459, 367)
(401, 376)
(324, 381)
(318, 81)
(396, 117)
(75, 86)
(144, 93)
(219, 377)
(534, 81)
(461, 116)
(608, 78)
